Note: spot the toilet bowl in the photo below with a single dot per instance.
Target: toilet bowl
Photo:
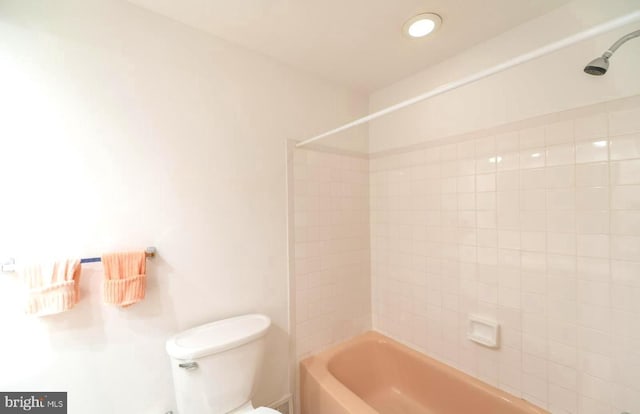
(214, 366)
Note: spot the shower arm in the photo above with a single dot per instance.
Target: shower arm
(619, 43)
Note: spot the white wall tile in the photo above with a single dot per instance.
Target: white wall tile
(561, 155)
(592, 222)
(535, 220)
(625, 222)
(548, 245)
(532, 158)
(625, 172)
(487, 164)
(485, 182)
(535, 367)
(508, 161)
(563, 221)
(533, 241)
(533, 179)
(625, 247)
(561, 243)
(595, 365)
(331, 245)
(508, 180)
(560, 177)
(562, 399)
(595, 388)
(592, 175)
(593, 245)
(535, 388)
(626, 272)
(625, 197)
(533, 200)
(561, 199)
(625, 147)
(592, 151)
(592, 198)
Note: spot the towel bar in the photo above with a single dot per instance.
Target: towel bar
(10, 266)
(149, 252)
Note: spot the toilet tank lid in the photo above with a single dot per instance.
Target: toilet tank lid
(217, 336)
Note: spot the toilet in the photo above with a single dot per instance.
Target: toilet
(214, 366)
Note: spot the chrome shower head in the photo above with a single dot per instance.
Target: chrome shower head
(597, 66)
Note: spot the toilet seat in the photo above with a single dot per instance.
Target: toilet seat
(265, 410)
(248, 409)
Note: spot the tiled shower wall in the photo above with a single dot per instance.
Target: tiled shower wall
(332, 282)
(538, 227)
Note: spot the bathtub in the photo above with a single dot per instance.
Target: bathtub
(373, 374)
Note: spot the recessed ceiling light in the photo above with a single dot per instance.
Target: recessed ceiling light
(421, 25)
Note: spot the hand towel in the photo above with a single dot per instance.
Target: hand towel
(52, 287)
(125, 280)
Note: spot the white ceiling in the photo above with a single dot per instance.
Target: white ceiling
(357, 43)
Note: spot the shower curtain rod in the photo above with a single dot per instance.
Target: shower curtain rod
(534, 54)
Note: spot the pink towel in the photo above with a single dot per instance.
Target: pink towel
(51, 287)
(125, 280)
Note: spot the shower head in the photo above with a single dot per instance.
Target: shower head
(599, 66)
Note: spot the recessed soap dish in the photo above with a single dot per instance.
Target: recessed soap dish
(483, 331)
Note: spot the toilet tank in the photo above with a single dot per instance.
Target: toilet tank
(214, 366)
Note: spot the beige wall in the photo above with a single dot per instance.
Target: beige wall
(546, 85)
(123, 129)
(535, 225)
